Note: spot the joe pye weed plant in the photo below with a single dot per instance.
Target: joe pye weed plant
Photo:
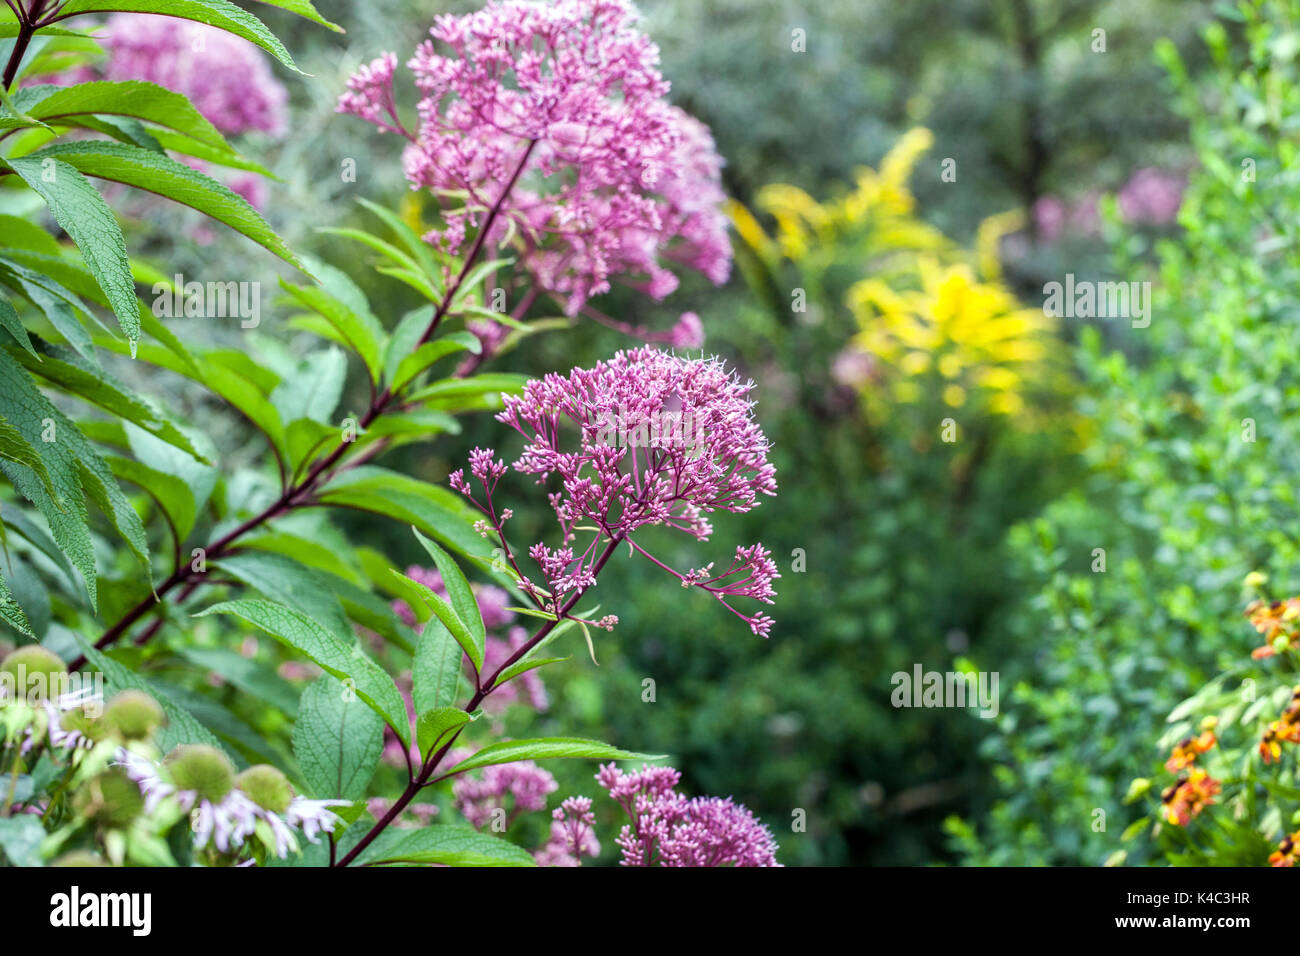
(556, 167)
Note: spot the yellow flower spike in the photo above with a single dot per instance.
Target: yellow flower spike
(988, 237)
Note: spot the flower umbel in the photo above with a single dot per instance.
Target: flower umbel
(647, 438)
(563, 101)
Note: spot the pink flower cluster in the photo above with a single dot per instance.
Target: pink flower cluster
(492, 605)
(555, 113)
(227, 78)
(661, 440)
(524, 784)
(668, 829)
(573, 834)
(1151, 196)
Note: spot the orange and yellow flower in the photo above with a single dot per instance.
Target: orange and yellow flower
(1189, 796)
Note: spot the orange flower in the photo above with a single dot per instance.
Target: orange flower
(1273, 621)
(1288, 851)
(1188, 750)
(1284, 730)
(1189, 796)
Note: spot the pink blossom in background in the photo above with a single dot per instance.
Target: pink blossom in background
(557, 112)
(668, 829)
(688, 333)
(573, 834)
(1054, 217)
(523, 784)
(1152, 196)
(228, 79)
(852, 367)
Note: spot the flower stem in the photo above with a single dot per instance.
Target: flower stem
(485, 688)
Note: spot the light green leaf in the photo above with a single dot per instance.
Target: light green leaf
(428, 353)
(546, 748)
(147, 170)
(344, 661)
(444, 612)
(435, 727)
(135, 98)
(82, 213)
(437, 669)
(101, 389)
(446, 845)
(217, 13)
(459, 593)
(338, 741)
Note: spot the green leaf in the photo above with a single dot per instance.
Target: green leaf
(217, 13)
(135, 98)
(337, 739)
(82, 213)
(282, 579)
(490, 383)
(150, 171)
(459, 593)
(344, 661)
(60, 306)
(10, 322)
(444, 612)
(314, 389)
(546, 748)
(229, 158)
(304, 8)
(353, 321)
(437, 670)
(15, 447)
(519, 667)
(441, 844)
(435, 726)
(28, 411)
(100, 389)
(21, 837)
(428, 353)
(11, 611)
(436, 511)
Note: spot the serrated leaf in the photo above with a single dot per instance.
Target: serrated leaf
(104, 391)
(344, 661)
(359, 329)
(147, 170)
(459, 593)
(519, 667)
(82, 213)
(337, 739)
(304, 8)
(217, 13)
(430, 352)
(447, 615)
